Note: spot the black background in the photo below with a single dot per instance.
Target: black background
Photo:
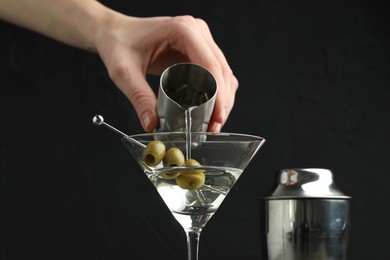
(314, 81)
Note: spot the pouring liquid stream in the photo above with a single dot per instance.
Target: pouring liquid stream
(188, 129)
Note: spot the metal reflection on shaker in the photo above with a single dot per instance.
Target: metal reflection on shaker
(186, 86)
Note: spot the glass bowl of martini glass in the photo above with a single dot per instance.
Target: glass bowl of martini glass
(192, 172)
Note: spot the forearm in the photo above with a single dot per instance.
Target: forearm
(74, 22)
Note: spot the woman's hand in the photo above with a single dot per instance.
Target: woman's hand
(130, 47)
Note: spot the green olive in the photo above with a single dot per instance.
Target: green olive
(173, 157)
(192, 163)
(170, 175)
(191, 181)
(154, 153)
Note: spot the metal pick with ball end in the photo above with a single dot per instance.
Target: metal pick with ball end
(99, 120)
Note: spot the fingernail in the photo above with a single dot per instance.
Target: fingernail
(146, 119)
(223, 114)
(217, 127)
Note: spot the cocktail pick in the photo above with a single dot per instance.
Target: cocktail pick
(99, 120)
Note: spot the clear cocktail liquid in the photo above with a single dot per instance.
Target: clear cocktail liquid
(193, 208)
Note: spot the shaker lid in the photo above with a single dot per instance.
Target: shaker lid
(306, 183)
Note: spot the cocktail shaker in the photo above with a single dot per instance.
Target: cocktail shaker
(307, 217)
(186, 88)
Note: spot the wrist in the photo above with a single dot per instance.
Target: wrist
(91, 22)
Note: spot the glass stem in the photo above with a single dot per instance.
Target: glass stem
(193, 244)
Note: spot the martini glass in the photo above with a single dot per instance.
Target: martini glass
(222, 158)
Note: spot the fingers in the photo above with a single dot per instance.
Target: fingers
(226, 93)
(131, 81)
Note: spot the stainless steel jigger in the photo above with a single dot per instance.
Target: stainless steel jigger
(307, 217)
(183, 87)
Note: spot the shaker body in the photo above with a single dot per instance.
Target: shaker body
(307, 229)
(307, 217)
